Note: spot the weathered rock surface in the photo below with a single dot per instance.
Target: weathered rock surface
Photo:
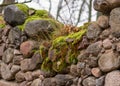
(109, 61)
(14, 16)
(8, 55)
(113, 78)
(39, 28)
(114, 21)
(94, 48)
(93, 31)
(103, 21)
(90, 81)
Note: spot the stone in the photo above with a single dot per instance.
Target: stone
(100, 81)
(27, 47)
(6, 83)
(94, 48)
(96, 72)
(103, 21)
(79, 82)
(49, 82)
(93, 31)
(8, 55)
(6, 72)
(105, 33)
(25, 65)
(19, 77)
(2, 48)
(112, 78)
(37, 28)
(63, 80)
(14, 36)
(80, 67)
(17, 59)
(28, 76)
(106, 6)
(37, 73)
(90, 81)
(17, 52)
(114, 21)
(118, 47)
(109, 61)
(37, 82)
(107, 44)
(15, 69)
(14, 16)
(73, 70)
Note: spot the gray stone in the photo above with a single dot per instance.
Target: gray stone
(17, 59)
(5, 72)
(6, 83)
(15, 69)
(64, 80)
(109, 61)
(37, 82)
(13, 15)
(25, 65)
(28, 76)
(39, 28)
(73, 70)
(112, 78)
(94, 48)
(14, 36)
(19, 77)
(107, 44)
(93, 31)
(2, 48)
(100, 81)
(90, 81)
(103, 21)
(114, 21)
(8, 55)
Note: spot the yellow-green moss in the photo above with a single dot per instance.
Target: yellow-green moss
(42, 13)
(24, 8)
(47, 65)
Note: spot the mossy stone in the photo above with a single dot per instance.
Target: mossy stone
(24, 8)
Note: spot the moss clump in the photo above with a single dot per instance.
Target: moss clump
(24, 8)
(63, 53)
(42, 13)
(47, 65)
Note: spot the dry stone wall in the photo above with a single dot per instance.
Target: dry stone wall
(98, 60)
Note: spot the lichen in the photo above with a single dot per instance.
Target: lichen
(24, 8)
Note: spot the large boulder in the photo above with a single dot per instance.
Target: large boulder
(115, 22)
(39, 29)
(109, 61)
(106, 6)
(15, 14)
(112, 78)
(93, 31)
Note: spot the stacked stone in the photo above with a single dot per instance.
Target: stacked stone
(98, 63)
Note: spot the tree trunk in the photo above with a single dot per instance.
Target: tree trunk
(6, 2)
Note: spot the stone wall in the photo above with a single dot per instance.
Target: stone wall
(30, 55)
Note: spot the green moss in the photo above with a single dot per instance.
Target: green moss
(24, 8)
(42, 13)
(47, 65)
(2, 25)
(59, 65)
